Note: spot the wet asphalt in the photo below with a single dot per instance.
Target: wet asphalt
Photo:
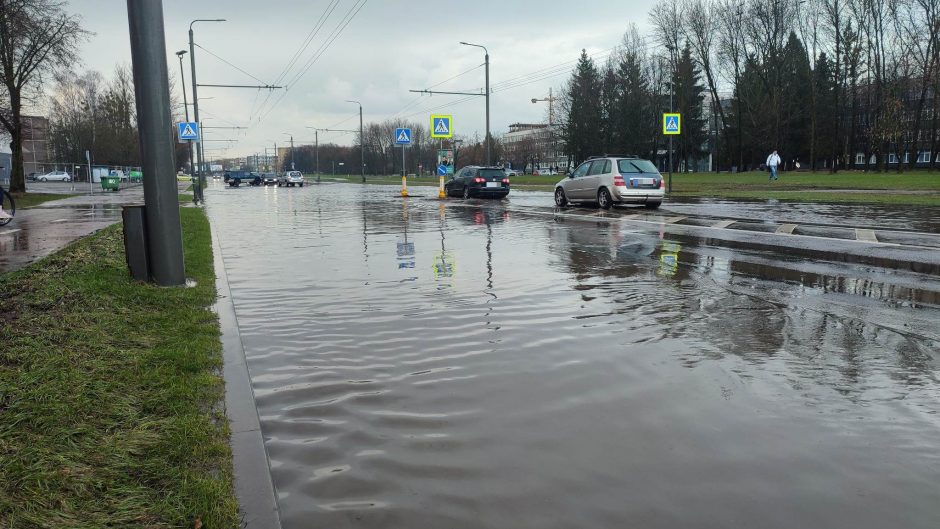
(420, 363)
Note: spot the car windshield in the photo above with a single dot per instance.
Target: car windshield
(636, 166)
(490, 173)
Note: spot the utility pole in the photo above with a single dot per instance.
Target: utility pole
(486, 58)
(316, 140)
(186, 111)
(152, 91)
(197, 195)
(362, 153)
(292, 168)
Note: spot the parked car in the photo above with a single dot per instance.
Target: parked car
(268, 179)
(612, 179)
(291, 178)
(475, 181)
(235, 178)
(31, 177)
(118, 173)
(55, 176)
(544, 171)
(511, 172)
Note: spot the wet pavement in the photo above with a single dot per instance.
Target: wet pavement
(494, 364)
(41, 230)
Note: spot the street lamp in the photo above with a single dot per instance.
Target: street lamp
(186, 109)
(487, 62)
(291, 149)
(192, 65)
(362, 154)
(316, 142)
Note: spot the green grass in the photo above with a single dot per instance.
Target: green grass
(910, 188)
(28, 200)
(111, 393)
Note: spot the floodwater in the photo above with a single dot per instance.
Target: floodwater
(468, 365)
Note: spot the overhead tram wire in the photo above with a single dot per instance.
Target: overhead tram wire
(230, 64)
(300, 50)
(417, 100)
(337, 31)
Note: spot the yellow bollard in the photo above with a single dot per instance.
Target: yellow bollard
(441, 194)
(404, 186)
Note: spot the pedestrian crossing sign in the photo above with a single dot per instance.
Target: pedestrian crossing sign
(403, 136)
(672, 124)
(441, 126)
(188, 130)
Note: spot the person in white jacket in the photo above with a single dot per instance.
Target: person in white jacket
(772, 162)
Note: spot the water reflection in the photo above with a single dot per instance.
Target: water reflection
(574, 374)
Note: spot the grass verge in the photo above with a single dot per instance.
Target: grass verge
(111, 392)
(28, 200)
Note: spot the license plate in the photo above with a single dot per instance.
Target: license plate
(646, 181)
(492, 184)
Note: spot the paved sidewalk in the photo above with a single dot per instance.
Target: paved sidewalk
(41, 230)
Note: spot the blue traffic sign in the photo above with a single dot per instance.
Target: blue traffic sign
(441, 170)
(402, 136)
(442, 126)
(188, 130)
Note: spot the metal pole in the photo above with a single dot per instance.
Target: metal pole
(186, 110)
(672, 89)
(362, 150)
(152, 90)
(197, 172)
(292, 168)
(316, 139)
(488, 158)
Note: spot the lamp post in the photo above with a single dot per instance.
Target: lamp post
(316, 142)
(362, 153)
(291, 149)
(192, 64)
(487, 63)
(186, 109)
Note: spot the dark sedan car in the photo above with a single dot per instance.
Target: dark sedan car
(475, 181)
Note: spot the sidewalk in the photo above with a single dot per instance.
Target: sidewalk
(39, 231)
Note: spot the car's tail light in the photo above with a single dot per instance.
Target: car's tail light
(618, 181)
(662, 183)
(479, 180)
(506, 181)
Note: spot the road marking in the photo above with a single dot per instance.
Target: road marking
(61, 220)
(10, 232)
(673, 220)
(786, 229)
(865, 235)
(723, 223)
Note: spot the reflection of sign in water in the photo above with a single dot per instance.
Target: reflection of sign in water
(669, 258)
(406, 254)
(444, 265)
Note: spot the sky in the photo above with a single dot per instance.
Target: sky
(387, 49)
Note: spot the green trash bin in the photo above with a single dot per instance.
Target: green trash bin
(111, 183)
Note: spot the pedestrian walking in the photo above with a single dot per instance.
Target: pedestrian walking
(772, 162)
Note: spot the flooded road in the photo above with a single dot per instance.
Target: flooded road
(467, 365)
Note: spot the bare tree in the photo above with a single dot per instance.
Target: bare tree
(36, 36)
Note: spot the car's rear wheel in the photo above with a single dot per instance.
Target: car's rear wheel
(301, 185)
(603, 198)
(560, 199)
(653, 205)
(466, 192)
(44, 179)
(66, 179)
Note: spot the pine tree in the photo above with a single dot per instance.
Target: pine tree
(581, 105)
(689, 97)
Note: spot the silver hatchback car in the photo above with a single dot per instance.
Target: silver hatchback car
(611, 179)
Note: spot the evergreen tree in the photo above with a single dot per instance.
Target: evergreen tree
(581, 105)
(689, 96)
(631, 106)
(797, 79)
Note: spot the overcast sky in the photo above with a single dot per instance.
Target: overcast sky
(387, 49)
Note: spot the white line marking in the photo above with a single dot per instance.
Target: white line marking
(865, 235)
(723, 223)
(10, 232)
(673, 220)
(61, 220)
(786, 229)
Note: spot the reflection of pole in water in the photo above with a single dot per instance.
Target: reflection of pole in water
(365, 229)
(489, 257)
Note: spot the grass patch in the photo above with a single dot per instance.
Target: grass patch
(726, 182)
(28, 200)
(110, 392)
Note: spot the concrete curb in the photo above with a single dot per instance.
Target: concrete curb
(257, 498)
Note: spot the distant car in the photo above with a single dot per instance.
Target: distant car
(31, 177)
(612, 179)
(475, 181)
(235, 178)
(544, 171)
(511, 172)
(291, 178)
(118, 173)
(55, 176)
(268, 179)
